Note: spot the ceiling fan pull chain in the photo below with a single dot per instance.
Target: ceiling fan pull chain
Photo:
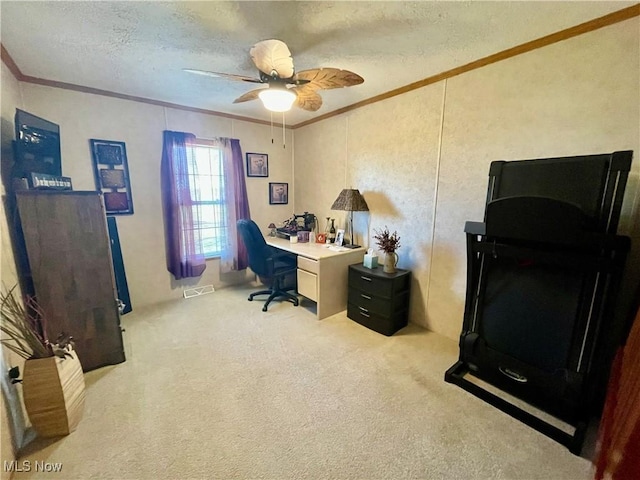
(283, 133)
(271, 115)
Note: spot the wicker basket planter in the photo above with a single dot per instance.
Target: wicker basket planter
(53, 392)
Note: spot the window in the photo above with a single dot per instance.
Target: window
(206, 183)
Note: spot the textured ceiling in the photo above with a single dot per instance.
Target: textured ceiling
(140, 48)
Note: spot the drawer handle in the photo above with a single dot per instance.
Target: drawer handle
(362, 309)
(367, 297)
(365, 315)
(365, 278)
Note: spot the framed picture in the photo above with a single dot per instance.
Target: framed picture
(257, 165)
(278, 193)
(339, 237)
(111, 173)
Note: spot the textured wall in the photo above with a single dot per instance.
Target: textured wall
(395, 167)
(421, 168)
(83, 116)
(576, 97)
(320, 169)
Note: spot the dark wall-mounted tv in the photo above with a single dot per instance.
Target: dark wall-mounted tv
(37, 146)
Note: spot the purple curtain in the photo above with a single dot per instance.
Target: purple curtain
(241, 200)
(184, 257)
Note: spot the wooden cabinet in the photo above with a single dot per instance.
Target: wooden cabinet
(378, 300)
(67, 248)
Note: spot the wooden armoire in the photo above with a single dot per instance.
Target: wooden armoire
(69, 261)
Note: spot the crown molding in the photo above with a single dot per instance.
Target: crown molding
(586, 27)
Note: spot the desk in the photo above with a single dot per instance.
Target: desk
(322, 273)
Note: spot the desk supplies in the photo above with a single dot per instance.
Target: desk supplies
(305, 222)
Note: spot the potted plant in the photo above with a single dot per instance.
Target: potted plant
(53, 382)
(388, 243)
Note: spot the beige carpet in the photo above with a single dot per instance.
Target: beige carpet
(215, 388)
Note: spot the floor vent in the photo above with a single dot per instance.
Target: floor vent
(197, 291)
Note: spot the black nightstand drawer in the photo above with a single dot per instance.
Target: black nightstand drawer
(376, 282)
(384, 325)
(379, 305)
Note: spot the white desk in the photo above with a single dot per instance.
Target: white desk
(322, 273)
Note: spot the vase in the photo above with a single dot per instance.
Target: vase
(53, 392)
(390, 262)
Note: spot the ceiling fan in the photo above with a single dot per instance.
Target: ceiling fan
(285, 86)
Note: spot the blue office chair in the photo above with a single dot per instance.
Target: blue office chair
(272, 266)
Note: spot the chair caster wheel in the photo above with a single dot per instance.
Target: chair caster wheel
(250, 299)
(264, 309)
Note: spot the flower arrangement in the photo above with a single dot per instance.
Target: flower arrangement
(23, 329)
(387, 242)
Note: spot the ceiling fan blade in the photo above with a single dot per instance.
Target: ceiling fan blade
(250, 95)
(307, 98)
(272, 55)
(224, 75)
(327, 78)
(296, 81)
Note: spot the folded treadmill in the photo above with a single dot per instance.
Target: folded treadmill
(540, 325)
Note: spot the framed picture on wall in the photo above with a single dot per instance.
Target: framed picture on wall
(278, 193)
(257, 165)
(111, 173)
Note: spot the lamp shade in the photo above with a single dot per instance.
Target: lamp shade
(350, 200)
(272, 225)
(277, 99)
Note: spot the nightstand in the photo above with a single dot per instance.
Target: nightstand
(378, 300)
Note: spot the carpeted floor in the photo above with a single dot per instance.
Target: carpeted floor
(215, 388)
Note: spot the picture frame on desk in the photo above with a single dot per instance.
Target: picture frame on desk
(257, 164)
(339, 237)
(278, 193)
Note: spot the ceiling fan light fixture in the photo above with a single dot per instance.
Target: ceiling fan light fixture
(277, 99)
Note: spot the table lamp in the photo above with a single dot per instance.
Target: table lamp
(350, 200)
(272, 226)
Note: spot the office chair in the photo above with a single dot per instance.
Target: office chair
(268, 263)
